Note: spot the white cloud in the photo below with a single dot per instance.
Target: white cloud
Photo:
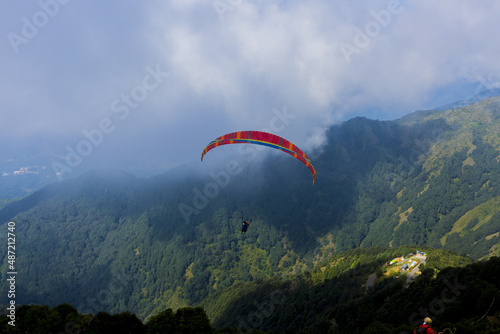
(231, 74)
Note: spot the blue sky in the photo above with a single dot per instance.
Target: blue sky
(152, 82)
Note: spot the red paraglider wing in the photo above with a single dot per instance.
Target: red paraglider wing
(262, 138)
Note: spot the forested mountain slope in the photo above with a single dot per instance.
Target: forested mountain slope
(455, 293)
(339, 296)
(110, 241)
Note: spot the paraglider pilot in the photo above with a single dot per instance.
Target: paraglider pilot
(244, 225)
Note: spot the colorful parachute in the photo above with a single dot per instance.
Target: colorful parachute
(262, 138)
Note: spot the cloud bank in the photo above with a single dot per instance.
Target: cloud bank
(159, 80)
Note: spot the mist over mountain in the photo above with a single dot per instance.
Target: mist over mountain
(111, 241)
(492, 92)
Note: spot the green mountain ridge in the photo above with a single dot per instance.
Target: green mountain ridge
(337, 301)
(456, 292)
(110, 241)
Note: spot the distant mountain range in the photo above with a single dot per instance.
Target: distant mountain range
(111, 241)
(485, 94)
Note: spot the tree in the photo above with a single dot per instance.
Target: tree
(163, 322)
(125, 322)
(186, 320)
(192, 321)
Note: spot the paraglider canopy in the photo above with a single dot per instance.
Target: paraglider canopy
(262, 138)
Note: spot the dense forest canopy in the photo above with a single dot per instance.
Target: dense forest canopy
(108, 241)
